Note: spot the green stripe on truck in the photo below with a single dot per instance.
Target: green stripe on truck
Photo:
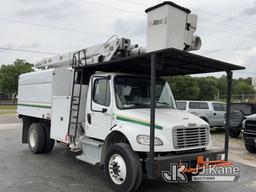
(136, 121)
(30, 105)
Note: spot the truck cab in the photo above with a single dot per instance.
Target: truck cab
(121, 103)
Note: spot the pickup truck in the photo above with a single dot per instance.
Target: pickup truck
(249, 133)
(212, 112)
(239, 112)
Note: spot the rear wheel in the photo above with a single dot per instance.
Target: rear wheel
(122, 168)
(36, 138)
(236, 119)
(250, 148)
(234, 132)
(49, 143)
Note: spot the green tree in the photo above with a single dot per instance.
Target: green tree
(221, 84)
(208, 88)
(184, 87)
(242, 87)
(9, 75)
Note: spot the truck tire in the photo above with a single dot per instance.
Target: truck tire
(236, 119)
(250, 148)
(234, 132)
(36, 138)
(123, 170)
(49, 143)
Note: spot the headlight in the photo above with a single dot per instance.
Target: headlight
(145, 140)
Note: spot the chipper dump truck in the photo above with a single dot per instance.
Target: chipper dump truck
(111, 103)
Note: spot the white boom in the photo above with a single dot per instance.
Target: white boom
(168, 25)
(111, 49)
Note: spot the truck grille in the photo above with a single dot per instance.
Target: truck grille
(250, 126)
(186, 137)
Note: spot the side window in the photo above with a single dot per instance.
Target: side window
(198, 105)
(219, 106)
(181, 105)
(101, 92)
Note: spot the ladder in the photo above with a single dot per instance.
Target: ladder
(79, 59)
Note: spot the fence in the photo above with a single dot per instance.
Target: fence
(243, 98)
(8, 99)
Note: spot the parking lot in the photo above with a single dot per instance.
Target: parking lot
(21, 171)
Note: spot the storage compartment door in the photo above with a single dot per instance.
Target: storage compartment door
(60, 118)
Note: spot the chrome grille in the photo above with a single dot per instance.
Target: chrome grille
(250, 126)
(186, 137)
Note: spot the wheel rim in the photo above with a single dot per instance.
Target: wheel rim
(32, 138)
(117, 169)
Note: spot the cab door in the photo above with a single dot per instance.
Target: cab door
(219, 111)
(99, 111)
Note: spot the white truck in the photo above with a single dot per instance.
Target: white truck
(110, 103)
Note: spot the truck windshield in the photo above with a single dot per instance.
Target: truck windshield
(134, 92)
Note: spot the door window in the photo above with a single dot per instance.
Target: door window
(181, 105)
(101, 92)
(219, 106)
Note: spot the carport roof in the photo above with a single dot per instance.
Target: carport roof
(169, 62)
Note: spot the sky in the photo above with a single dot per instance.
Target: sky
(227, 28)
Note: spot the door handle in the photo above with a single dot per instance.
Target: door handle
(89, 118)
(214, 114)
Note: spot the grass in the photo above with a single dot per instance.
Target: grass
(7, 112)
(8, 107)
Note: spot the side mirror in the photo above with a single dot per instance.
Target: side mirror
(104, 110)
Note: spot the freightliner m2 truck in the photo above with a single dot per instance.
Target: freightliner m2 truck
(110, 102)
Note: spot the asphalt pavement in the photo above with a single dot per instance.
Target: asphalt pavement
(9, 119)
(60, 171)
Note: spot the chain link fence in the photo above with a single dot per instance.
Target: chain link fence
(241, 98)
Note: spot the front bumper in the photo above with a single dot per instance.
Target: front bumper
(194, 161)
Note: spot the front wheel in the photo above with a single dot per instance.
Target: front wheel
(123, 170)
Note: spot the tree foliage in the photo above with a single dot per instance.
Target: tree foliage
(184, 87)
(207, 88)
(9, 75)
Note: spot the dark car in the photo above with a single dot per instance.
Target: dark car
(239, 111)
(249, 133)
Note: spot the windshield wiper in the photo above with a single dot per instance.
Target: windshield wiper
(164, 103)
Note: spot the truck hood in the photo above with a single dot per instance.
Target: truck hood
(251, 117)
(164, 117)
